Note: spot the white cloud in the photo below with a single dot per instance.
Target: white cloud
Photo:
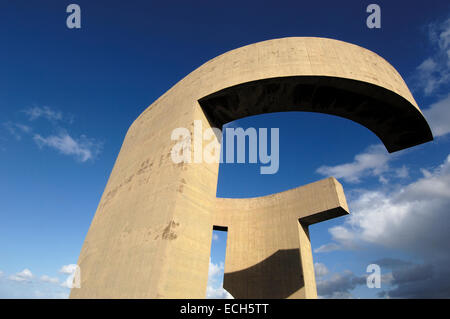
(372, 162)
(327, 248)
(399, 217)
(337, 295)
(402, 172)
(1, 273)
(428, 65)
(52, 280)
(407, 215)
(383, 180)
(68, 283)
(36, 112)
(434, 71)
(17, 129)
(51, 294)
(23, 276)
(213, 289)
(344, 236)
(73, 271)
(438, 117)
(394, 284)
(410, 214)
(339, 285)
(83, 149)
(215, 270)
(68, 269)
(320, 269)
(413, 219)
(24, 285)
(217, 293)
(387, 278)
(23, 127)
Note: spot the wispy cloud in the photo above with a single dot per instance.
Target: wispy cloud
(46, 112)
(320, 269)
(25, 284)
(82, 148)
(326, 248)
(23, 276)
(17, 129)
(432, 76)
(438, 116)
(50, 294)
(402, 172)
(391, 263)
(434, 71)
(48, 279)
(374, 161)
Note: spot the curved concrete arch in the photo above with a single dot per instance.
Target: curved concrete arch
(151, 234)
(395, 120)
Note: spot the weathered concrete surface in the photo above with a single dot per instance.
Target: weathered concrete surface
(151, 234)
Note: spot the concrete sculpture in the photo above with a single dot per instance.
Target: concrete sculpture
(151, 234)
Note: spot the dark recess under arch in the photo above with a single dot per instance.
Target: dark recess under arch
(397, 122)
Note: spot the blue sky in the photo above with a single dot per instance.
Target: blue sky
(67, 98)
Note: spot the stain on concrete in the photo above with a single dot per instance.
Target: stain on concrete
(168, 232)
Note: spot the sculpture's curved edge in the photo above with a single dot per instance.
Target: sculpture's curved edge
(397, 122)
(382, 73)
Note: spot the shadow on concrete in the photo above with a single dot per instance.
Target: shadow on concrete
(278, 276)
(397, 122)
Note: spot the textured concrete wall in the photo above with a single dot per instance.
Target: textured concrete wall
(151, 234)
